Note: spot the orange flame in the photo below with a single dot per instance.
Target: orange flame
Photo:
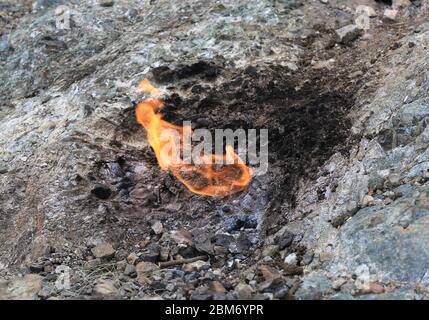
(208, 177)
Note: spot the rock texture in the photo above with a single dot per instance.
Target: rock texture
(86, 213)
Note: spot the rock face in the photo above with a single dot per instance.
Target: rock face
(391, 240)
(341, 212)
(25, 288)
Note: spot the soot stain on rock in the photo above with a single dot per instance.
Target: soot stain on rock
(201, 69)
(306, 125)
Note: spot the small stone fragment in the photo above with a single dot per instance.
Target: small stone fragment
(151, 253)
(394, 179)
(367, 200)
(157, 227)
(243, 291)
(291, 259)
(291, 270)
(390, 15)
(105, 289)
(195, 266)
(103, 251)
(130, 270)
(121, 265)
(373, 287)
(348, 34)
(182, 236)
(326, 256)
(145, 267)
(285, 240)
(269, 273)
(270, 251)
(367, 10)
(132, 258)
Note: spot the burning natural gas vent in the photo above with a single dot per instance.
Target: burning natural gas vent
(202, 173)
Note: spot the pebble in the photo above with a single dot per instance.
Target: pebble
(130, 270)
(250, 276)
(269, 273)
(59, 10)
(290, 269)
(202, 241)
(307, 258)
(243, 291)
(337, 284)
(145, 267)
(285, 240)
(387, 201)
(164, 254)
(291, 259)
(170, 287)
(44, 293)
(196, 266)
(103, 251)
(390, 15)
(389, 194)
(270, 250)
(326, 256)
(105, 289)
(394, 179)
(121, 265)
(367, 200)
(51, 277)
(157, 227)
(182, 237)
(132, 258)
(151, 253)
(347, 34)
(369, 11)
(373, 287)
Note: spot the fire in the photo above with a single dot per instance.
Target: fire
(208, 177)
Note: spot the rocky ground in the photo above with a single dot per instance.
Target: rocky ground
(342, 86)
